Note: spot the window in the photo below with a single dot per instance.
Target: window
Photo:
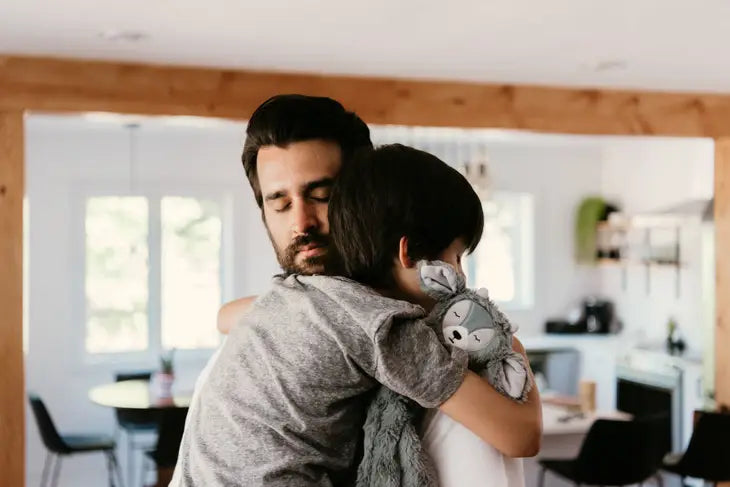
(503, 261)
(152, 273)
(117, 288)
(191, 269)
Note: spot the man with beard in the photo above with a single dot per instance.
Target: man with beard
(295, 146)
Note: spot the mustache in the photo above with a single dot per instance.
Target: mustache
(308, 239)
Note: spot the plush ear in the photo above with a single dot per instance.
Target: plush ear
(513, 377)
(438, 279)
(483, 292)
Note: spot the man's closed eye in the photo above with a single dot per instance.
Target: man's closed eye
(320, 194)
(281, 206)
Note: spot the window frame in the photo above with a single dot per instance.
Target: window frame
(154, 192)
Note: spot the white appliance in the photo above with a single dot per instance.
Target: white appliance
(651, 381)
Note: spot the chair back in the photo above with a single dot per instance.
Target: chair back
(708, 455)
(620, 452)
(134, 375)
(49, 434)
(134, 418)
(169, 437)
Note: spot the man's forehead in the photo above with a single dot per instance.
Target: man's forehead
(297, 164)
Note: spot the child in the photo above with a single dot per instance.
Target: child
(285, 401)
(409, 199)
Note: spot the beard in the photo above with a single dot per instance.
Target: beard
(287, 257)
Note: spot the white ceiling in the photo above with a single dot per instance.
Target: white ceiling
(664, 44)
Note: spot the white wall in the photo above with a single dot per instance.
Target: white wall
(650, 174)
(64, 155)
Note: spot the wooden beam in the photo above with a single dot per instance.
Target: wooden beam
(46, 84)
(12, 395)
(722, 275)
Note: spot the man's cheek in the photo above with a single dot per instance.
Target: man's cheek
(323, 220)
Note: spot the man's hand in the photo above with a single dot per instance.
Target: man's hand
(512, 428)
(231, 313)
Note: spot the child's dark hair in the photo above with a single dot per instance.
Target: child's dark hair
(395, 191)
(284, 119)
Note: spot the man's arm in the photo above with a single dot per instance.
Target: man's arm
(231, 313)
(513, 428)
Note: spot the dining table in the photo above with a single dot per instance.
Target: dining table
(138, 397)
(137, 394)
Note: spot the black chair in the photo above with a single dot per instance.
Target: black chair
(169, 437)
(707, 456)
(613, 453)
(134, 422)
(62, 445)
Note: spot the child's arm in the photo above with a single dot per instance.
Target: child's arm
(512, 428)
(231, 313)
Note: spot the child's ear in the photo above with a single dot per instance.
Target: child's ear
(403, 258)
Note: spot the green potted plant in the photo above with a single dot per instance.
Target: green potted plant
(587, 217)
(591, 212)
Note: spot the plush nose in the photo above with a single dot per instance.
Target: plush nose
(457, 335)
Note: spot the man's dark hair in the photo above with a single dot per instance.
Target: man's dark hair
(285, 119)
(392, 192)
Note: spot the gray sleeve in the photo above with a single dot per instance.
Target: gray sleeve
(412, 361)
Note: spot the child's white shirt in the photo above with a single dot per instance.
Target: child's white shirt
(462, 459)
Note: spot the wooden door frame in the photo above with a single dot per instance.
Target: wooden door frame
(67, 85)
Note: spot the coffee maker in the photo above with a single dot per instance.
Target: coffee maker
(598, 316)
(594, 316)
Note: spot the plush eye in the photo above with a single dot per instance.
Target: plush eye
(480, 339)
(456, 314)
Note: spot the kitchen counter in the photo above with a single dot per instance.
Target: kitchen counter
(546, 341)
(597, 358)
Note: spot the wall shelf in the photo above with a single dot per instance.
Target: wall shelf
(649, 242)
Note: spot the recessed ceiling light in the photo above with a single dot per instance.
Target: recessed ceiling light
(116, 35)
(607, 65)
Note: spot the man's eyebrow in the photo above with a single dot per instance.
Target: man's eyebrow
(275, 195)
(320, 183)
(305, 189)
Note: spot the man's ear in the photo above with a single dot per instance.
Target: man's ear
(403, 258)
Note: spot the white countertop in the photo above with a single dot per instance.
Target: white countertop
(554, 341)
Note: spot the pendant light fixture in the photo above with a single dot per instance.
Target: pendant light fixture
(132, 133)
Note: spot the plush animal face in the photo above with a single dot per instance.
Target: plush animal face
(463, 315)
(468, 325)
(469, 320)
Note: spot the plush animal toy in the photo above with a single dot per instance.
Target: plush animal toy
(469, 320)
(393, 454)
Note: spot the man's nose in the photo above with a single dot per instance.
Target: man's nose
(305, 218)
